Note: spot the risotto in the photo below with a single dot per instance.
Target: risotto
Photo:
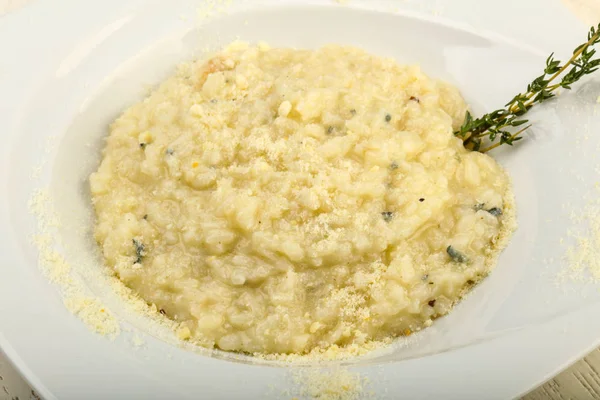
(282, 200)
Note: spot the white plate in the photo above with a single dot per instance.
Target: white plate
(65, 72)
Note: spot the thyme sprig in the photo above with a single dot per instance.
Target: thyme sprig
(496, 125)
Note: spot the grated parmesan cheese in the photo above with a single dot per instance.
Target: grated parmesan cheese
(330, 384)
(54, 266)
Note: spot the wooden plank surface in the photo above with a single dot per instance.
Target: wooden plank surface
(581, 381)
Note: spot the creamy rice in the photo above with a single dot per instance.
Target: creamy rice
(280, 200)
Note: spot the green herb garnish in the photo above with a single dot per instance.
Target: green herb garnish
(496, 212)
(140, 251)
(387, 216)
(495, 125)
(456, 255)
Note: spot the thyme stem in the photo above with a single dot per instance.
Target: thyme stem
(495, 125)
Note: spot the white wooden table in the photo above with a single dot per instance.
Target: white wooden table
(581, 381)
